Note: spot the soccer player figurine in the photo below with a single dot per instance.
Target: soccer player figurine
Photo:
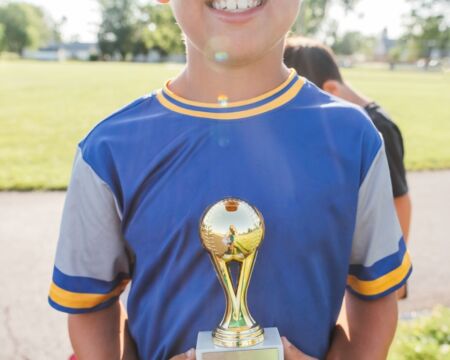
(313, 165)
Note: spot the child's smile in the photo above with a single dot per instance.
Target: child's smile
(235, 11)
(235, 6)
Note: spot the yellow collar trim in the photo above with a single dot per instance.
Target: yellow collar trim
(266, 95)
(279, 101)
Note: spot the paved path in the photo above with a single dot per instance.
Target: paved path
(29, 223)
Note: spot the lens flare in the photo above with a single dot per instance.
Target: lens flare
(221, 56)
(222, 100)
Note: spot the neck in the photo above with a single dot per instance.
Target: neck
(355, 97)
(205, 80)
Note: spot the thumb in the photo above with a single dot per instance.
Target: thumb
(188, 355)
(292, 353)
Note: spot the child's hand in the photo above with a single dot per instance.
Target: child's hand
(188, 355)
(292, 353)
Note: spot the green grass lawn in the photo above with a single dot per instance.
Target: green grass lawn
(426, 337)
(47, 108)
(419, 103)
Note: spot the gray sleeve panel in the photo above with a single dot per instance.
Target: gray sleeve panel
(90, 241)
(377, 231)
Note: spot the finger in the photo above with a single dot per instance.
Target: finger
(188, 355)
(292, 353)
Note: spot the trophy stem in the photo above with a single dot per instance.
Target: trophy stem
(244, 282)
(237, 329)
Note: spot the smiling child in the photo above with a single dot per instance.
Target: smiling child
(235, 122)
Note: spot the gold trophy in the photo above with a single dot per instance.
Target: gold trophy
(232, 230)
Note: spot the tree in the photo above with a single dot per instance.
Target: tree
(350, 43)
(158, 30)
(313, 13)
(56, 29)
(2, 37)
(429, 27)
(25, 25)
(118, 27)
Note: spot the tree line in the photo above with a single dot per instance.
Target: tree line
(23, 25)
(129, 29)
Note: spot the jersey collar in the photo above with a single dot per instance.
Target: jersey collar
(234, 110)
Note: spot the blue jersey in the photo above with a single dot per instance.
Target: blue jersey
(316, 169)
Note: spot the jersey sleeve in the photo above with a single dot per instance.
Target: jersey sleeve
(380, 263)
(92, 266)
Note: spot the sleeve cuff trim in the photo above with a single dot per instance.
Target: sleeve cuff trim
(82, 311)
(76, 300)
(82, 284)
(383, 294)
(381, 267)
(383, 283)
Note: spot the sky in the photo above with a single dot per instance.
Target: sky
(370, 17)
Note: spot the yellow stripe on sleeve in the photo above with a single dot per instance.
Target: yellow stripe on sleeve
(82, 300)
(383, 283)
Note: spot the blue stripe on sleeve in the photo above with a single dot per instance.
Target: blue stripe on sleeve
(86, 285)
(381, 267)
(384, 293)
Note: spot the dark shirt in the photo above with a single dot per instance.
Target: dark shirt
(394, 147)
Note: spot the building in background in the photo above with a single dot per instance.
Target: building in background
(61, 52)
(383, 46)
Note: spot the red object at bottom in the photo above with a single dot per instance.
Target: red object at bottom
(73, 357)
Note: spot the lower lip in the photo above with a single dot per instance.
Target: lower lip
(237, 17)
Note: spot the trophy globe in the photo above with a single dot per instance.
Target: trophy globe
(232, 230)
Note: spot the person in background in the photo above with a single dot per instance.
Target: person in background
(317, 63)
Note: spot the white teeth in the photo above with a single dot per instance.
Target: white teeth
(235, 5)
(243, 4)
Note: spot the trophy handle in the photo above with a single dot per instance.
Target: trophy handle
(243, 284)
(232, 307)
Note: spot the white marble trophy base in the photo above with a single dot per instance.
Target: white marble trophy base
(270, 349)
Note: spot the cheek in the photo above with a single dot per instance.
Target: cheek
(284, 13)
(189, 16)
